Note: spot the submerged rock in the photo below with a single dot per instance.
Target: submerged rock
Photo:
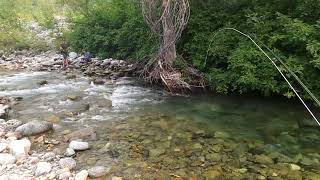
(98, 171)
(263, 159)
(85, 134)
(294, 167)
(34, 128)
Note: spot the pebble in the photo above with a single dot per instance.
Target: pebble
(82, 175)
(294, 167)
(6, 159)
(3, 146)
(68, 163)
(78, 145)
(43, 168)
(69, 152)
(98, 171)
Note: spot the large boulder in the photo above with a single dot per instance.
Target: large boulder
(20, 148)
(34, 128)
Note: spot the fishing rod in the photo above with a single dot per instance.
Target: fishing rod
(275, 65)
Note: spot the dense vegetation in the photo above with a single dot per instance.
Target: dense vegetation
(230, 63)
(14, 16)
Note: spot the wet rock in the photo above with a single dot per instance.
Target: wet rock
(78, 145)
(263, 159)
(43, 82)
(99, 82)
(4, 111)
(69, 152)
(307, 123)
(67, 163)
(212, 174)
(43, 168)
(20, 148)
(3, 147)
(222, 135)
(6, 159)
(74, 97)
(82, 175)
(306, 161)
(98, 171)
(103, 103)
(78, 108)
(153, 153)
(53, 118)
(294, 167)
(91, 161)
(34, 128)
(215, 157)
(84, 134)
(71, 76)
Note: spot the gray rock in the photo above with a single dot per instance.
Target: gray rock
(20, 148)
(6, 159)
(69, 152)
(263, 159)
(78, 145)
(34, 128)
(67, 163)
(98, 171)
(43, 168)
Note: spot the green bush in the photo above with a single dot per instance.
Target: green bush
(112, 29)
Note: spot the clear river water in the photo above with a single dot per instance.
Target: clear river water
(146, 134)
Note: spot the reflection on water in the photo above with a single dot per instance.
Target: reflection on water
(144, 134)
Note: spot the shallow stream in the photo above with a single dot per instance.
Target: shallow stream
(144, 134)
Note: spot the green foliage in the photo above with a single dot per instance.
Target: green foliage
(231, 64)
(111, 29)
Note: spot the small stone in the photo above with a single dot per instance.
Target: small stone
(78, 145)
(98, 171)
(197, 146)
(71, 76)
(20, 148)
(69, 152)
(49, 156)
(6, 159)
(242, 170)
(43, 82)
(3, 146)
(222, 135)
(12, 124)
(263, 159)
(294, 167)
(82, 175)
(67, 163)
(116, 178)
(43, 168)
(64, 174)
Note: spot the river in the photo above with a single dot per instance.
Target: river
(146, 134)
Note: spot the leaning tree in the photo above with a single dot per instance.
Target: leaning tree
(167, 19)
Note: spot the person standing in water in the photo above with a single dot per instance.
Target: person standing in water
(64, 52)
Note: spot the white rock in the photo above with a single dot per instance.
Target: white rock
(294, 167)
(64, 174)
(20, 148)
(98, 171)
(82, 175)
(3, 146)
(6, 159)
(43, 168)
(69, 152)
(78, 145)
(67, 163)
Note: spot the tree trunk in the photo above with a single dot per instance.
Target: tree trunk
(170, 53)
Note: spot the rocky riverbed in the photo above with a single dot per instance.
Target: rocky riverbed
(93, 121)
